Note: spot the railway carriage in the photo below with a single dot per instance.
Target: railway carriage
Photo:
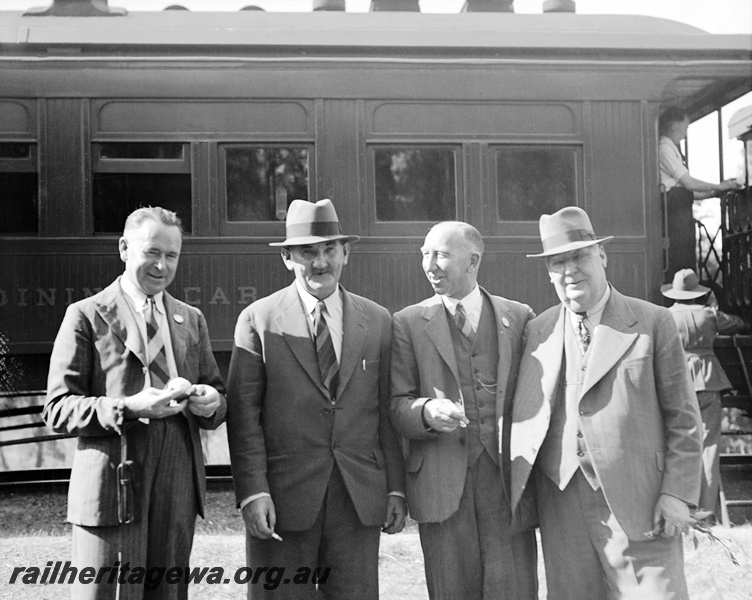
(402, 119)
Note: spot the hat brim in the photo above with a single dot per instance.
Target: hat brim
(315, 239)
(571, 246)
(669, 291)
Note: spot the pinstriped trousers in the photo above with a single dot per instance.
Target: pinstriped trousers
(163, 536)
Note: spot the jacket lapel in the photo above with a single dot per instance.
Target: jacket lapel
(437, 330)
(549, 354)
(612, 339)
(292, 323)
(179, 331)
(116, 312)
(353, 338)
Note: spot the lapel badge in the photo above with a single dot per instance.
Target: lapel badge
(178, 319)
(505, 321)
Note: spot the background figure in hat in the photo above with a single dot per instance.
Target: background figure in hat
(133, 375)
(314, 458)
(605, 429)
(698, 325)
(454, 362)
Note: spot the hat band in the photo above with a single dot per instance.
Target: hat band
(567, 237)
(317, 229)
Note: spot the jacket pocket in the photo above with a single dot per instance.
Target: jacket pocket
(660, 461)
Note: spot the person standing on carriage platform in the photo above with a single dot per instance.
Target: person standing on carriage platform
(605, 431)
(317, 467)
(681, 190)
(454, 364)
(133, 375)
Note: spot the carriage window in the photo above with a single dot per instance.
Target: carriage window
(131, 175)
(261, 182)
(415, 184)
(19, 184)
(531, 181)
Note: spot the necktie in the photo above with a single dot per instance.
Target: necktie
(160, 373)
(583, 335)
(460, 318)
(327, 358)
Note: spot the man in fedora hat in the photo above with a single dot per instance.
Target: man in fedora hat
(605, 429)
(318, 469)
(454, 362)
(699, 325)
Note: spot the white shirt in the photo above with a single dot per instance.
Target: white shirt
(472, 303)
(671, 163)
(333, 315)
(138, 302)
(594, 315)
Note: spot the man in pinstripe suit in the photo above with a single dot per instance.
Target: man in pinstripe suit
(138, 480)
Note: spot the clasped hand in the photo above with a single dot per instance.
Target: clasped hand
(200, 399)
(671, 517)
(441, 414)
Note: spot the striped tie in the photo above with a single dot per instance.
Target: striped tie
(460, 318)
(327, 358)
(583, 335)
(160, 373)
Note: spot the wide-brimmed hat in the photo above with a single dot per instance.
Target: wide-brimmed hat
(684, 287)
(565, 230)
(311, 223)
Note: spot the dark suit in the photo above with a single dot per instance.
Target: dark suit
(99, 356)
(424, 366)
(637, 416)
(288, 438)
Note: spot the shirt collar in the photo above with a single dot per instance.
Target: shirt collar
(470, 303)
(333, 302)
(138, 298)
(594, 314)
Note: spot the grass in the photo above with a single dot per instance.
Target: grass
(34, 532)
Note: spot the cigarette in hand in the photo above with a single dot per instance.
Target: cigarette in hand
(276, 537)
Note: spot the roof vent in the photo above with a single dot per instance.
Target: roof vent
(76, 8)
(506, 6)
(175, 7)
(252, 7)
(328, 5)
(560, 6)
(395, 5)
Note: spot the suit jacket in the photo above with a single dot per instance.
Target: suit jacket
(424, 367)
(638, 411)
(99, 356)
(286, 435)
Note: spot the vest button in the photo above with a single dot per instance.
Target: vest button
(480, 405)
(481, 422)
(580, 453)
(579, 434)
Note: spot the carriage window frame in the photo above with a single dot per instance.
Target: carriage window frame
(276, 228)
(25, 164)
(411, 228)
(142, 166)
(509, 228)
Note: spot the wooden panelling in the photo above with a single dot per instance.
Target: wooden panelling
(18, 118)
(478, 119)
(180, 117)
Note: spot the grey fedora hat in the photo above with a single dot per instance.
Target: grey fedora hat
(311, 223)
(565, 230)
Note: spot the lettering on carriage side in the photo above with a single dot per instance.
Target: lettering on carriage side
(188, 295)
(219, 297)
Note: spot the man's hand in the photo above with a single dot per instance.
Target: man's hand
(154, 404)
(441, 414)
(396, 513)
(670, 517)
(260, 517)
(204, 401)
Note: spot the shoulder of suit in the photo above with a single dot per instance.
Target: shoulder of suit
(367, 305)
(419, 308)
(547, 316)
(511, 305)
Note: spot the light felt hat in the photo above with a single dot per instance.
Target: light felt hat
(565, 230)
(684, 287)
(311, 223)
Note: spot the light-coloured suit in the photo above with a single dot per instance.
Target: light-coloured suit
(286, 434)
(637, 411)
(424, 366)
(99, 356)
